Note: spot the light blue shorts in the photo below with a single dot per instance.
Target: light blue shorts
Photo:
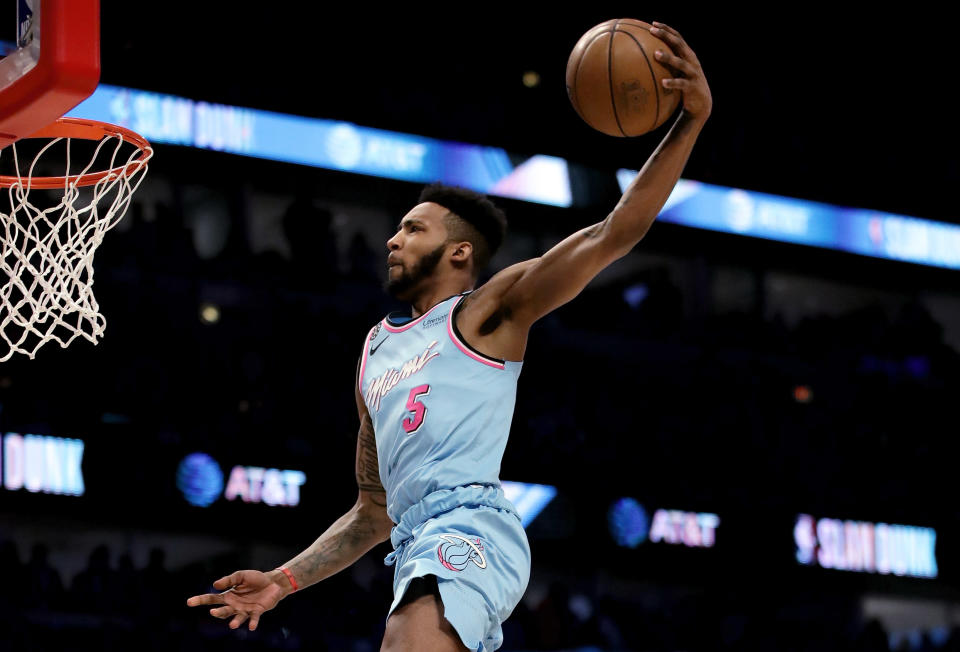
(472, 540)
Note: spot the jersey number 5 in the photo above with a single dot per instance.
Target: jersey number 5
(412, 423)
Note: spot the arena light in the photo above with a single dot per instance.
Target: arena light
(209, 313)
(864, 547)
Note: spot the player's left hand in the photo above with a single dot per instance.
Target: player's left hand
(244, 594)
(690, 80)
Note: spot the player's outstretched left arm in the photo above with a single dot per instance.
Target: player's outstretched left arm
(248, 594)
(534, 288)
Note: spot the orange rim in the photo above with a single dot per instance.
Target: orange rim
(87, 130)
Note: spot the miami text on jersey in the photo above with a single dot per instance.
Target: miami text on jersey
(381, 386)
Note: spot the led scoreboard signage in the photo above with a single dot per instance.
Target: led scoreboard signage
(329, 144)
(864, 547)
(38, 464)
(201, 480)
(630, 526)
(333, 145)
(798, 221)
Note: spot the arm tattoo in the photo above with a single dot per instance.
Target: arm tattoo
(591, 231)
(355, 532)
(368, 467)
(595, 230)
(330, 553)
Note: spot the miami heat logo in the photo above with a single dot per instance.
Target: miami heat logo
(457, 551)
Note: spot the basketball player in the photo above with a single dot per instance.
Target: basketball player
(435, 395)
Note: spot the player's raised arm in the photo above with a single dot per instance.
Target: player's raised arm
(247, 594)
(560, 274)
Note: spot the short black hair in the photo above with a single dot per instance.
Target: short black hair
(479, 221)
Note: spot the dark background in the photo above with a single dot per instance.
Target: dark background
(812, 100)
(685, 402)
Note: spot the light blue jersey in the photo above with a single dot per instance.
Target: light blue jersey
(441, 412)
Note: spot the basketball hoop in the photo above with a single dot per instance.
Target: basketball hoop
(55, 224)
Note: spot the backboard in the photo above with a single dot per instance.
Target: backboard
(55, 65)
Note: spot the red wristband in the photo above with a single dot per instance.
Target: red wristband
(286, 571)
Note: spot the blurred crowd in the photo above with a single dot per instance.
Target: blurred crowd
(734, 395)
(110, 605)
(621, 388)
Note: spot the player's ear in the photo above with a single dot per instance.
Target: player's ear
(462, 252)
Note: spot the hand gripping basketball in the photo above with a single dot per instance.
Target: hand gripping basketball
(689, 80)
(626, 77)
(245, 595)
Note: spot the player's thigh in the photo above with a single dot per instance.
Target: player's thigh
(418, 623)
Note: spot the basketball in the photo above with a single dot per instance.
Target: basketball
(614, 81)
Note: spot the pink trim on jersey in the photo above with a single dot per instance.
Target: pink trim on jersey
(363, 362)
(460, 345)
(409, 324)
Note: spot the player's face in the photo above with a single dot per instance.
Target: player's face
(416, 249)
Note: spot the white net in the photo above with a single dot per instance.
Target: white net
(49, 238)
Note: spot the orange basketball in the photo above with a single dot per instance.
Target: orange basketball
(614, 80)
